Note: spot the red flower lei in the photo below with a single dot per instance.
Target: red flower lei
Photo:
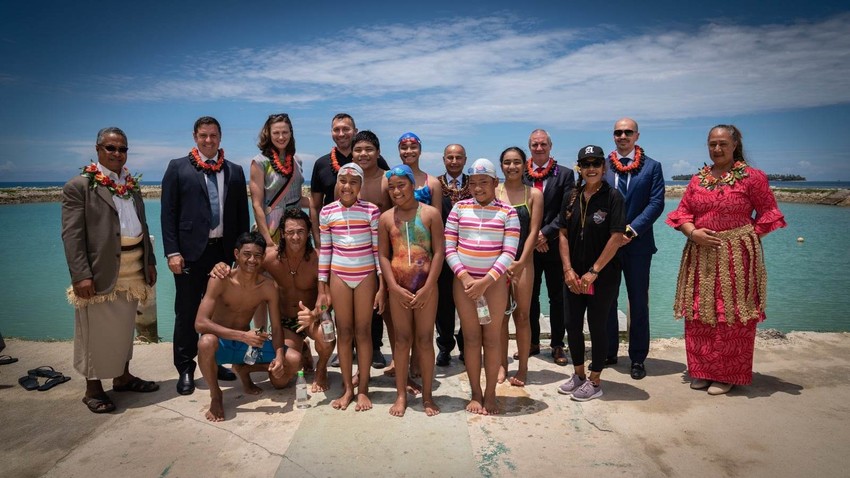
(632, 168)
(195, 159)
(334, 162)
(97, 178)
(542, 174)
(708, 181)
(284, 169)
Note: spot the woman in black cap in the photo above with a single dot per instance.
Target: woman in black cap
(592, 226)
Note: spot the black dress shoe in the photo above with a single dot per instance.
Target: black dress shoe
(444, 358)
(225, 375)
(378, 359)
(611, 361)
(638, 370)
(186, 383)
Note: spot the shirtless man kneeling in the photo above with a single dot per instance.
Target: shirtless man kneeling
(294, 265)
(224, 320)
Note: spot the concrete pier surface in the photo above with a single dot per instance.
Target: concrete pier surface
(794, 420)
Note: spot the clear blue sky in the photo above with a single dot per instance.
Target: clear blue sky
(483, 75)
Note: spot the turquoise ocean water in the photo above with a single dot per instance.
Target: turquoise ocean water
(807, 285)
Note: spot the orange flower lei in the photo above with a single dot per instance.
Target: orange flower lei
(195, 159)
(529, 169)
(284, 169)
(708, 181)
(334, 163)
(632, 168)
(97, 178)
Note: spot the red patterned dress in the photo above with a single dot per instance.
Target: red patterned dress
(721, 292)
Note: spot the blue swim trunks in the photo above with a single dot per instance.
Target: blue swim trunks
(233, 352)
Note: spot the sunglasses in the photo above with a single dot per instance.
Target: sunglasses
(621, 132)
(596, 163)
(110, 148)
(279, 116)
(397, 172)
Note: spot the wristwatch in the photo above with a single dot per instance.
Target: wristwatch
(593, 271)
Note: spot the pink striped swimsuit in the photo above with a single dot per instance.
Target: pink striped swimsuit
(349, 241)
(481, 240)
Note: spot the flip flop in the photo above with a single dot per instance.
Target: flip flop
(52, 382)
(100, 404)
(45, 371)
(137, 385)
(29, 382)
(6, 360)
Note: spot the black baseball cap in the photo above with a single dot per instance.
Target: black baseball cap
(590, 151)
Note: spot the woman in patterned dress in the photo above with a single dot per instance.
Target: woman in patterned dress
(721, 290)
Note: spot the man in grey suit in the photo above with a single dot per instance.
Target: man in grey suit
(112, 266)
(204, 210)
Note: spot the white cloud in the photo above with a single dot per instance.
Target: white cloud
(7, 166)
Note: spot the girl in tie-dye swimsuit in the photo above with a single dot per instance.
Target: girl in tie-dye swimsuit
(348, 271)
(429, 191)
(410, 247)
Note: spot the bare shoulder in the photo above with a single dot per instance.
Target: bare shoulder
(535, 194)
(429, 213)
(387, 217)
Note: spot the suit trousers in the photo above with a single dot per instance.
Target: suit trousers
(636, 273)
(189, 290)
(548, 264)
(446, 313)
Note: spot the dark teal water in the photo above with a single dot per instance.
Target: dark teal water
(807, 286)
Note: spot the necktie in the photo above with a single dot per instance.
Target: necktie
(538, 183)
(212, 188)
(623, 179)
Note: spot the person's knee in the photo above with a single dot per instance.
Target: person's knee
(324, 348)
(208, 343)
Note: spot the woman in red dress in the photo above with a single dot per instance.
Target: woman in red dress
(721, 290)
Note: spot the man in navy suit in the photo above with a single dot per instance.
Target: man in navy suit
(641, 182)
(204, 210)
(556, 182)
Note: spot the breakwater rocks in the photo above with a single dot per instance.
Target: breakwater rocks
(832, 197)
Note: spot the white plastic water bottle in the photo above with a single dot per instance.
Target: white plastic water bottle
(483, 311)
(253, 353)
(328, 329)
(301, 398)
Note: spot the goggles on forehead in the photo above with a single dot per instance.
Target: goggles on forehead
(401, 172)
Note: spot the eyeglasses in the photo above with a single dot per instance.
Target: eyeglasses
(110, 148)
(597, 163)
(397, 171)
(621, 132)
(279, 116)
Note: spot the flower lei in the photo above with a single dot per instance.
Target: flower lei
(284, 169)
(453, 193)
(123, 191)
(334, 163)
(708, 181)
(542, 175)
(634, 167)
(195, 159)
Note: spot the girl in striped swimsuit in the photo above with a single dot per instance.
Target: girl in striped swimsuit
(348, 272)
(482, 234)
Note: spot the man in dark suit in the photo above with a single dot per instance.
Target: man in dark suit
(112, 266)
(556, 182)
(641, 182)
(204, 210)
(455, 188)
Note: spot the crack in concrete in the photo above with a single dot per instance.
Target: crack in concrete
(597, 426)
(301, 469)
(212, 424)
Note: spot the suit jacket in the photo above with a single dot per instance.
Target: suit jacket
(447, 201)
(186, 209)
(644, 204)
(558, 189)
(91, 233)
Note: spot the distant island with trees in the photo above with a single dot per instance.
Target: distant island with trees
(770, 177)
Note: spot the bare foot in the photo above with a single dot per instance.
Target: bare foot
(400, 405)
(519, 379)
(244, 375)
(320, 381)
(502, 374)
(342, 402)
(491, 406)
(390, 370)
(474, 406)
(431, 407)
(216, 411)
(363, 403)
(413, 388)
(355, 378)
(306, 357)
